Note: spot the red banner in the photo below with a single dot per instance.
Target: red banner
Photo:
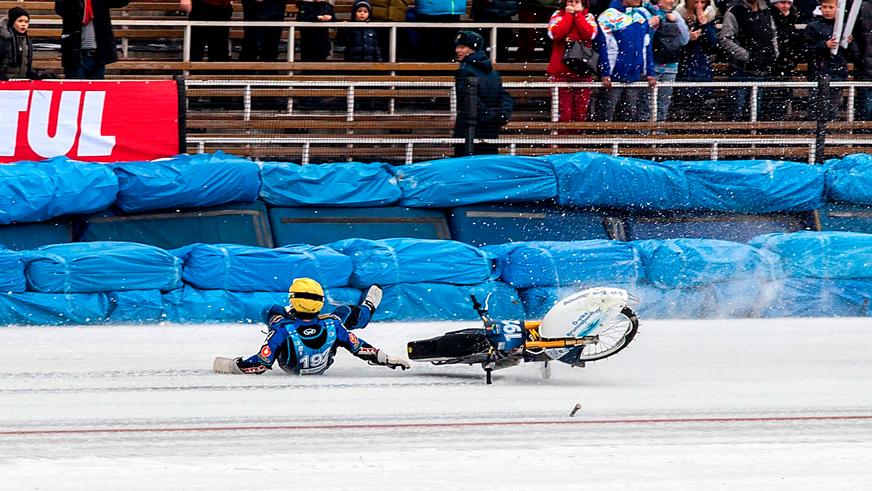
(96, 121)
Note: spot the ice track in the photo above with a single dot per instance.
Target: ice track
(738, 404)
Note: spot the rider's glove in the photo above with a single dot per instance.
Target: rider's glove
(373, 298)
(389, 361)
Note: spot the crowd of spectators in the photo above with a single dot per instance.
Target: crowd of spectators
(650, 41)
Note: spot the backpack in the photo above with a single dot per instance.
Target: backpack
(667, 43)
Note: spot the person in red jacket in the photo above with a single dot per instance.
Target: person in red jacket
(571, 23)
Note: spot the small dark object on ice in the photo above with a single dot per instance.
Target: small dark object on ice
(575, 410)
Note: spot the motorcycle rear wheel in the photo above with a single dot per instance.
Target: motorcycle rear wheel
(613, 336)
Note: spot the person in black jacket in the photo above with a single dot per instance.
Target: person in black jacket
(485, 98)
(315, 41)
(361, 43)
(87, 42)
(786, 18)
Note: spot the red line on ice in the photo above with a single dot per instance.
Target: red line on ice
(346, 426)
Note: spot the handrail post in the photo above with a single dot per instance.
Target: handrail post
(350, 103)
(852, 99)
(186, 47)
(652, 106)
(392, 45)
(753, 102)
(246, 103)
(493, 44)
(555, 104)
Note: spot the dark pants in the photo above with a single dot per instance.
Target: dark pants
(213, 37)
(87, 69)
(742, 108)
(504, 36)
(261, 44)
(314, 43)
(621, 102)
(436, 45)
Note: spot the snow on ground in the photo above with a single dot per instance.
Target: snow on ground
(731, 404)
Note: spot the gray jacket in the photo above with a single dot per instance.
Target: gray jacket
(749, 37)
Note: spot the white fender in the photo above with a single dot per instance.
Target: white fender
(579, 313)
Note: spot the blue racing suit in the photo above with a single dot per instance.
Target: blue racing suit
(306, 346)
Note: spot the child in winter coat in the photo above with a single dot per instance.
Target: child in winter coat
(819, 41)
(16, 49)
(573, 22)
(361, 43)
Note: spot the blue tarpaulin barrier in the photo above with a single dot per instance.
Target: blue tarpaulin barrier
(753, 186)
(100, 267)
(136, 306)
(439, 301)
(53, 309)
(600, 180)
(390, 261)
(849, 180)
(11, 272)
(528, 264)
(819, 297)
(189, 304)
(186, 181)
(680, 263)
(845, 255)
(248, 269)
(462, 181)
(338, 184)
(36, 191)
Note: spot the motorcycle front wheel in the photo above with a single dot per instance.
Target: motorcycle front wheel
(613, 336)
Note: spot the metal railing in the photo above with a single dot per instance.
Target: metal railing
(292, 27)
(613, 144)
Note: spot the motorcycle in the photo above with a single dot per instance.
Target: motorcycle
(587, 326)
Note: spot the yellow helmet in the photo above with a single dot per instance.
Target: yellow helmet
(306, 296)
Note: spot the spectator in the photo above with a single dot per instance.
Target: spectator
(496, 11)
(390, 10)
(534, 12)
(315, 41)
(624, 41)
(262, 43)
(695, 61)
(394, 11)
(749, 38)
(670, 37)
(434, 43)
(789, 46)
(822, 63)
(215, 39)
(491, 104)
(863, 40)
(87, 43)
(571, 23)
(16, 49)
(361, 43)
